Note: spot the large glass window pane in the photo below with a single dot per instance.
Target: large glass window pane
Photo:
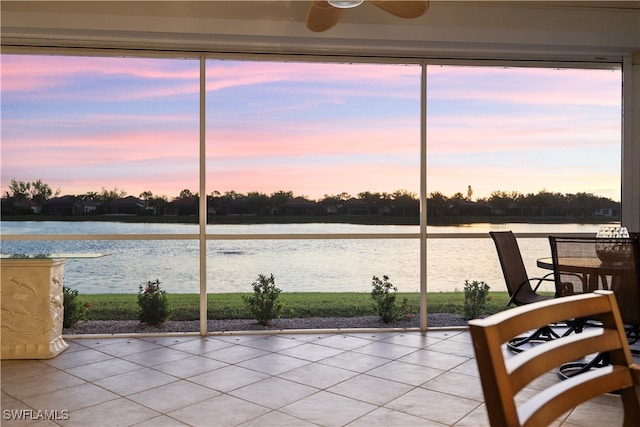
(104, 146)
(303, 132)
(106, 136)
(523, 130)
(293, 148)
(532, 145)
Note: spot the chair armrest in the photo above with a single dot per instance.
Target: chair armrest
(539, 279)
(542, 279)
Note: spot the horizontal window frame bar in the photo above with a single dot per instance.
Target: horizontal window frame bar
(274, 236)
(613, 62)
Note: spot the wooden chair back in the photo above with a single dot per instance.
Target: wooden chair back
(504, 374)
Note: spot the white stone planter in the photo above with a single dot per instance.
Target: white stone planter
(32, 308)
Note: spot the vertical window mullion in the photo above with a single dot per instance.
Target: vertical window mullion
(423, 198)
(203, 200)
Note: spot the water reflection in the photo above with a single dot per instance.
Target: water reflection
(319, 265)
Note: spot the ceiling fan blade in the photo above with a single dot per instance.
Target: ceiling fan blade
(403, 9)
(321, 15)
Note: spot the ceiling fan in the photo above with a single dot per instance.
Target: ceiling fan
(324, 14)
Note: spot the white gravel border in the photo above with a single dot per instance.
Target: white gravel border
(103, 327)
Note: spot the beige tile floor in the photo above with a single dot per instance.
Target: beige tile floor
(380, 378)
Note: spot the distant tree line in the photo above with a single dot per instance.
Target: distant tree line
(36, 197)
(512, 203)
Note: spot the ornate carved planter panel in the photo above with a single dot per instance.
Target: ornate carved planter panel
(32, 308)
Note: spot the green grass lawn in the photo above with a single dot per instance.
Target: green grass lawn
(296, 304)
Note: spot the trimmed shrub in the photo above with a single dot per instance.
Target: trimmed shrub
(74, 311)
(475, 298)
(384, 295)
(153, 304)
(264, 304)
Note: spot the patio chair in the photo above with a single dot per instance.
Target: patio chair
(519, 285)
(502, 379)
(587, 264)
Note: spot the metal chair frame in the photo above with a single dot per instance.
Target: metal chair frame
(626, 290)
(519, 286)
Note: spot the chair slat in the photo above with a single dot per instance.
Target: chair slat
(546, 407)
(530, 364)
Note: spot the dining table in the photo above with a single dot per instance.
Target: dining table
(593, 272)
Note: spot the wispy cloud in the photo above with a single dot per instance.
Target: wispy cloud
(85, 123)
(527, 86)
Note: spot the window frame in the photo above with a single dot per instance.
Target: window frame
(203, 237)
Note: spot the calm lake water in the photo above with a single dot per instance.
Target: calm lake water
(297, 265)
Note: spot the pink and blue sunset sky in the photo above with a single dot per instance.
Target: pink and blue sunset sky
(81, 124)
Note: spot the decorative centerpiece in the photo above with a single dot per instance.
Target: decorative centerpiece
(609, 251)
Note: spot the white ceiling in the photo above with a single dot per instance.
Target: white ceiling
(584, 30)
